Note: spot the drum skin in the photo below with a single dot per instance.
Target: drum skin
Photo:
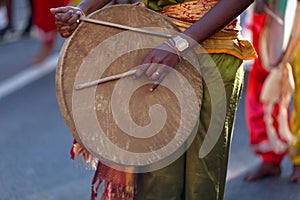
(82, 59)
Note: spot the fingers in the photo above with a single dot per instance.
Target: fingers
(157, 65)
(72, 21)
(66, 31)
(158, 82)
(153, 73)
(141, 70)
(148, 68)
(151, 70)
(60, 9)
(66, 19)
(160, 72)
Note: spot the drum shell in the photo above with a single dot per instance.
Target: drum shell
(78, 52)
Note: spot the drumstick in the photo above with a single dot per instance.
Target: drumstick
(106, 79)
(140, 30)
(274, 15)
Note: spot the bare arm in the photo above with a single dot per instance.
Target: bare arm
(89, 6)
(217, 18)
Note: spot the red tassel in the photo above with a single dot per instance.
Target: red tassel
(72, 153)
(94, 190)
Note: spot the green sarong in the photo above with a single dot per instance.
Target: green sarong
(190, 177)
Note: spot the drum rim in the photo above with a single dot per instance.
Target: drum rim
(263, 50)
(59, 86)
(60, 90)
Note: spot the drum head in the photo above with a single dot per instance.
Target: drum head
(120, 122)
(276, 36)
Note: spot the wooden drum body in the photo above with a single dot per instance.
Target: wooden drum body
(120, 122)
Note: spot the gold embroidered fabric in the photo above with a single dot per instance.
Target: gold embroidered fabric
(228, 40)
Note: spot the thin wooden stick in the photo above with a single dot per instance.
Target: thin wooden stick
(274, 15)
(106, 79)
(140, 30)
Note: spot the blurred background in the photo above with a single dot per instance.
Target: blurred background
(35, 142)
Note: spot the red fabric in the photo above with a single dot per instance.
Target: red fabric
(117, 184)
(254, 108)
(42, 18)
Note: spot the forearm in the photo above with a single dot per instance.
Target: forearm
(89, 6)
(216, 19)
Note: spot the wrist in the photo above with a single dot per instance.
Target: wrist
(90, 6)
(180, 43)
(85, 8)
(171, 44)
(81, 11)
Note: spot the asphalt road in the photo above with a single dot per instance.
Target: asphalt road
(35, 142)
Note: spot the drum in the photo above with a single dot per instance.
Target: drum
(120, 122)
(280, 38)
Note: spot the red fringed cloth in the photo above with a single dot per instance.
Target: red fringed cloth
(117, 185)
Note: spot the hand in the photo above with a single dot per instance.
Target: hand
(158, 64)
(66, 19)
